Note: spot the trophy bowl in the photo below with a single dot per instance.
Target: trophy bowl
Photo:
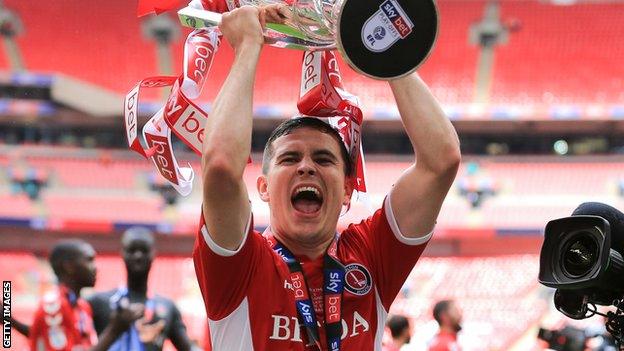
(383, 40)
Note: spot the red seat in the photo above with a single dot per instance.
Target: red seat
(101, 207)
(561, 54)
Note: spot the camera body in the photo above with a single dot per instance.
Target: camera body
(566, 339)
(581, 257)
(577, 259)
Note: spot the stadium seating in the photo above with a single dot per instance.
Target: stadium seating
(586, 179)
(139, 209)
(92, 173)
(99, 42)
(102, 43)
(21, 207)
(561, 54)
(497, 295)
(546, 61)
(88, 191)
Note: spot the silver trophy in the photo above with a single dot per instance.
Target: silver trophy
(382, 39)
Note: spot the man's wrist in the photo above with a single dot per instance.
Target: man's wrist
(397, 82)
(247, 48)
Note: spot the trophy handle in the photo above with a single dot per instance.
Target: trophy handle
(194, 18)
(278, 35)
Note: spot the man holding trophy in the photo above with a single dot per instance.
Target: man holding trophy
(300, 285)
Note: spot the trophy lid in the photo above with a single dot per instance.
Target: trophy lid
(386, 40)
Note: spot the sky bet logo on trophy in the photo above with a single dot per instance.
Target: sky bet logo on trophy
(380, 39)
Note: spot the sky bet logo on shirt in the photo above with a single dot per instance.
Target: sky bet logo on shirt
(386, 26)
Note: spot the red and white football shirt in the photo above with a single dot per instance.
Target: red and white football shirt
(251, 305)
(444, 341)
(61, 324)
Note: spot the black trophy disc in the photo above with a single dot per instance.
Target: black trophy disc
(386, 39)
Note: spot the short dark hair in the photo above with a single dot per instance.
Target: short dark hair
(397, 325)
(137, 232)
(65, 251)
(293, 124)
(439, 308)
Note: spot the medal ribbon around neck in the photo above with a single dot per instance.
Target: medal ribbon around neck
(333, 286)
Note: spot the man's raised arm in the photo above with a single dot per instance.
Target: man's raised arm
(227, 141)
(418, 194)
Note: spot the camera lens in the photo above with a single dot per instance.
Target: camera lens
(580, 255)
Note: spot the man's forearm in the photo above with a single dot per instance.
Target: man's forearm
(20, 327)
(431, 133)
(228, 129)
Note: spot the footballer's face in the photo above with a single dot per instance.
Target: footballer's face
(455, 317)
(138, 254)
(305, 186)
(84, 269)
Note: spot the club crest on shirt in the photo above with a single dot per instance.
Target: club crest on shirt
(358, 280)
(57, 338)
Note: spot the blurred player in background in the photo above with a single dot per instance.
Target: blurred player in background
(400, 332)
(449, 317)
(258, 289)
(162, 319)
(63, 321)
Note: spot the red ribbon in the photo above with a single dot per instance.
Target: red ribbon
(322, 95)
(146, 7)
(179, 115)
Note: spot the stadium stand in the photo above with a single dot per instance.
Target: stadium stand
(90, 41)
(556, 66)
(558, 57)
(103, 208)
(544, 70)
(21, 206)
(92, 174)
(130, 57)
(88, 191)
(498, 296)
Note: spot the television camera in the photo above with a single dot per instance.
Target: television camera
(582, 257)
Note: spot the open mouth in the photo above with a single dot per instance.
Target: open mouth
(307, 199)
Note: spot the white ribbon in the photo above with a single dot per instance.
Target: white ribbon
(179, 115)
